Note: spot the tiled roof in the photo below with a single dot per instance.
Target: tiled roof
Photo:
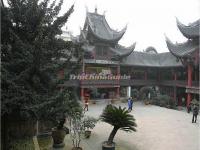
(122, 51)
(88, 48)
(100, 28)
(118, 51)
(151, 60)
(183, 49)
(191, 31)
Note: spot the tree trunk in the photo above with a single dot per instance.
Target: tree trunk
(112, 135)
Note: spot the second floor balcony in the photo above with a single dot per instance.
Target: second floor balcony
(127, 82)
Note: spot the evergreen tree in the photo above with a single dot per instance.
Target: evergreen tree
(31, 57)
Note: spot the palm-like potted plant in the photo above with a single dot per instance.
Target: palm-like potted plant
(119, 118)
(89, 123)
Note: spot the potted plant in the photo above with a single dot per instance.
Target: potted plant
(58, 134)
(89, 123)
(146, 101)
(119, 118)
(59, 115)
(76, 129)
(147, 93)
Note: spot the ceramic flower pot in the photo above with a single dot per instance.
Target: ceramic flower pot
(58, 136)
(106, 146)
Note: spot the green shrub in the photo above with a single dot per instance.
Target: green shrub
(144, 92)
(164, 100)
(45, 143)
(89, 122)
(172, 104)
(134, 93)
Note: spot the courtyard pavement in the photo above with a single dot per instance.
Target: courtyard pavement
(158, 129)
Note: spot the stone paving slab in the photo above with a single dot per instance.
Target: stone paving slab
(158, 129)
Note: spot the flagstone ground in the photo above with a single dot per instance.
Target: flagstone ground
(158, 129)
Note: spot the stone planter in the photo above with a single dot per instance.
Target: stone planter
(146, 102)
(105, 146)
(77, 148)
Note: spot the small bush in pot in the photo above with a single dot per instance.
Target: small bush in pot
(119, 118)
(89, 123)
(59, 115)
(76, 129)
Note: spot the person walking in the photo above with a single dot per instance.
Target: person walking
(195, 113)
(129, 104)
(86, 103)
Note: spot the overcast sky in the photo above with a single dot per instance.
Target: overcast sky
(148, 20)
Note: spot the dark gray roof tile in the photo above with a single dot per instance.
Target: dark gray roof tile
(151, 60)
(101, 29)
(182, 49)
(191, 31)
(122, 51)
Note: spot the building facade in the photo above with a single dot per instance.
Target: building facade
(110, 70)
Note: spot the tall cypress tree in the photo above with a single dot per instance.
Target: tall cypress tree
(31, 58)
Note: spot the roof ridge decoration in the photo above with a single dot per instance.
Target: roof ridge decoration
(151, 50)
(190, 31)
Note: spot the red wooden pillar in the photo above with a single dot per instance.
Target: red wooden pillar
(118, 88)
(195, 76)
(82, 89)
(118, 69)
(117, 93)
(82, 94)
(159, 75)
(145, 75)
(196, 62)
(61, 74)
(175, 78)
(189, 83)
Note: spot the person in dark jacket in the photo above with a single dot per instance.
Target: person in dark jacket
(86, 103)
(195, 113)
(129, 104)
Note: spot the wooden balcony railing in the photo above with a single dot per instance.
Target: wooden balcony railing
(195, 83)
(137, 82)
(179, 83)
(106, 83)
(125, 82)
(72, 83)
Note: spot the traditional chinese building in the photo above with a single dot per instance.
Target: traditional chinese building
(102, 55)
(188, 54)
(174, 73)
